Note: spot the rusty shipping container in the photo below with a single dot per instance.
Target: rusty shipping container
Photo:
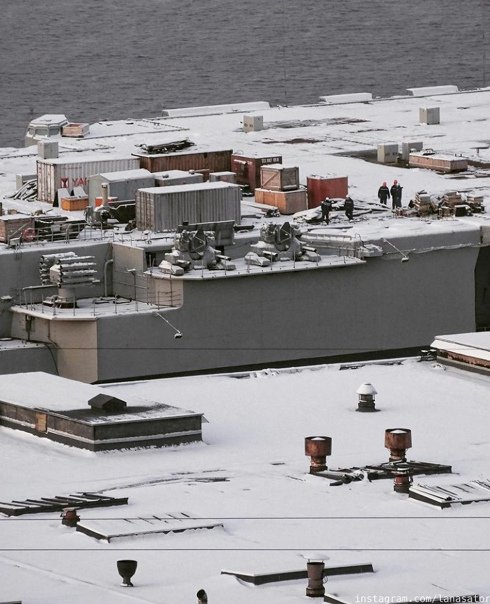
(441, 163)
(320, 187)
(277, 177)
(163, 208)
(214, 161)
(247, 168)
(66, 173)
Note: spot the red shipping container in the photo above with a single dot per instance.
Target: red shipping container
(319, 187)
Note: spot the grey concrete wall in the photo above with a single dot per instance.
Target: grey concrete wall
(21, 360)
(382, 305)
(73, 344)
(20, 268)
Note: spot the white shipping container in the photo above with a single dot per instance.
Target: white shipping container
(163, 208)
(66, 173)
(172, 178)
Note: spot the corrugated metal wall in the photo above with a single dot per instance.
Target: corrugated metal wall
(55, 174)
(215, 161)
(162, 208)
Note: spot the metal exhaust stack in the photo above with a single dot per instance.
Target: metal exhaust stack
(315, 570)
(367, 394)
(105, 194)
(403, 478)
(318, 448)
(398, 440)
(126, 568)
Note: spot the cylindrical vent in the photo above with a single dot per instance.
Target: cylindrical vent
(318, 448)
(398, 440)
(202, 597)
(403, 478)
(367, 394)
(126, 568)
(315, 588)
(105, 193)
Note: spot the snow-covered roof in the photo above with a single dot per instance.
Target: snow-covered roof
(251, 475)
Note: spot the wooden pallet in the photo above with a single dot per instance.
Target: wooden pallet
(57, 503)
(110, 529)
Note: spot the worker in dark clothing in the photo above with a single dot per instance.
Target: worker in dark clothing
(326, 206)
(349, 208)
(396, 195)
(383, 194)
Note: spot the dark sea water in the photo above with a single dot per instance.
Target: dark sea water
(94, 59)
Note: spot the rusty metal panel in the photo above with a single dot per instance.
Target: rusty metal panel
(214, 161)
(320, 187)
(54, 174)
(247, 168)
(163, 208)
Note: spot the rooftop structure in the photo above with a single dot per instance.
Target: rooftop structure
(381, 282)
(251, 476)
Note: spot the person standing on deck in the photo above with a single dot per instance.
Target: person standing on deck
(349, 208)
(396, 195)
(326, 206)
(383, 194)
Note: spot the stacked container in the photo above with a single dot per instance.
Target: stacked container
(165, 208)
(67, 173)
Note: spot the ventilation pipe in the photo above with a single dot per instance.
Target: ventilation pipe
(367, 394)
(318, 448)
(126, 568)
(398, 440)
(69, 517)
(202, 597)
(315, 569)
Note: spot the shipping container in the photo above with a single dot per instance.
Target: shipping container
(247, 168)
(441, 163)
(287, 202)
(171, 178)
(122, 185)
(163, 208)
(277, 177)
(223, 177)
(66, 173)
(214, 161)
(320, 187)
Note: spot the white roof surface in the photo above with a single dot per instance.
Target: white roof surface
(475, 345)
(251, 474)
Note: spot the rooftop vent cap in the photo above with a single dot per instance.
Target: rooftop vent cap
(366, 388)
(107, 403)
